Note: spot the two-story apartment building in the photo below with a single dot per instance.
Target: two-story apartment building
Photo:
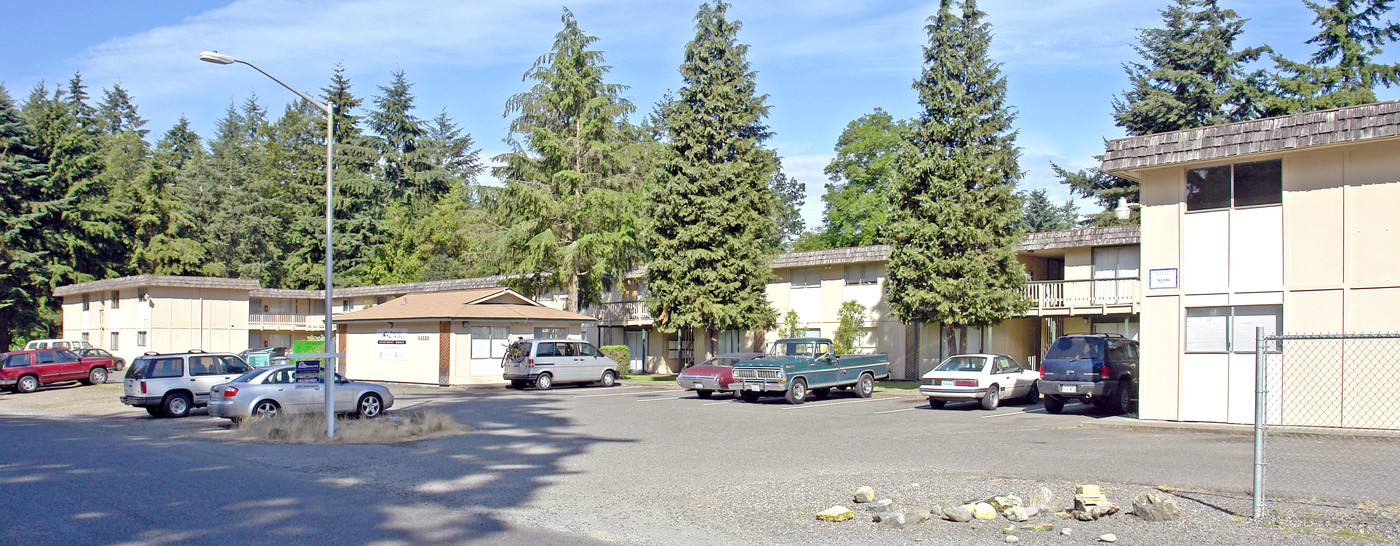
(1285, 223)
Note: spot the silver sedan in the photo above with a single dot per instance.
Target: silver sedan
(269, 391)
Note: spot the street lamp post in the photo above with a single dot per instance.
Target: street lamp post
(328, 353)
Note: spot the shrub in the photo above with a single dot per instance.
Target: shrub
(621, 355)
(852, 320)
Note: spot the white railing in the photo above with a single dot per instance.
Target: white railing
(308, 322)
(1082, 294)
(624, 312)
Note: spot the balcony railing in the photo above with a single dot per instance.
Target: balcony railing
(1098, 295)
(624, 313)
(286, 322)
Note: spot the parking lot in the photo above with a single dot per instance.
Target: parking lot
(637, 463)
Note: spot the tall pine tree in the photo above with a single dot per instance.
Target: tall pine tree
(712, 203)
(953, 255)
(572, 202)
(24, 234)
(1342, 72)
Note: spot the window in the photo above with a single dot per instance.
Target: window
(551, 333)
(586, 349)
(490, 341)
(728, 341)
(1230, 329)
(116, 299)
(1119, 262)
(206, 365)
(807, 278)
(140, 339)
(547, 349)
(115, 346)
(16, 360)
(141, 294)
(234, 365)
(861, 274)
(279, 377)
(85, 302)
(1238, 185)
(812, 332)
(85, 336)
(166, 367)
(345, 306)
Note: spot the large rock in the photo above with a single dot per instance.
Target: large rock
(894, 520)
(1001, 503)
(1015, 513)
(957, 513)
(983, 510)
(1041, 500)
(836, 513)
(919, 515)
(882, 505)
(1108, 537)
(1156, 506)
(865, 494)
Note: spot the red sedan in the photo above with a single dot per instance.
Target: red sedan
(714, 374)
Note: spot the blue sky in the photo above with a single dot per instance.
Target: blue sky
(822, 63)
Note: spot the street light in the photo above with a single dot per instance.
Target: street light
(327, 354)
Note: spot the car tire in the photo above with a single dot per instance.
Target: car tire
(155, 411)
(609, 378)
(369, 406)
(27, 384)
(936, 404)
(749, 396)
(821, 393)
(176, 405)
(265, 408)
(797, 391)
(706, 394)
(992, 399)
(97, 376)
(1033, 395)
(544, 382)
(1122, 401)
(1054, 404)
(865, 386)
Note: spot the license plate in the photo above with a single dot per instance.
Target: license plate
(1068, 388)
(948, 382)
(753, 387)
(699, 385)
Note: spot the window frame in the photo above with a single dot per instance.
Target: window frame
(1232, 183)
(1233, 343)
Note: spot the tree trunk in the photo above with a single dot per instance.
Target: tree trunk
(5, 329)
(572, 304)
(709, 343)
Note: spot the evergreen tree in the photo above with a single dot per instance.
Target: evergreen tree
(1192, 75)
(953, 255)
(246, 224)
(572, 202)
(1040, 215)
(452, 151)
(78, 102)
(1351, 35)
(1105, 189)
(118, 114)
(25, 287)
(856, 210)
(406, 161)
(165, 235)
(712, 203)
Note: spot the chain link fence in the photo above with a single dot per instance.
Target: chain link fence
(1331, 419)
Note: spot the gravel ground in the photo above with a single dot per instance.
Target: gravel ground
(588, 495)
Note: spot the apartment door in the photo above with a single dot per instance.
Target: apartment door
(636, 347)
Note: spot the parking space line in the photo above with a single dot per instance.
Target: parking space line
(1042, 410)
(671, 398)
(615, 389)
(619, 394)
(899, 410)
(839, 403)
(720, 402)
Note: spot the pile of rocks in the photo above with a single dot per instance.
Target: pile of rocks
(1089, 504)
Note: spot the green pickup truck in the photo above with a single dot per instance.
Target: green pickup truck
(797, 366)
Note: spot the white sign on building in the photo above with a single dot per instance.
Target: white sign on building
(392, 344)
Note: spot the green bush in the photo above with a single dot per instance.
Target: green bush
(621, 356)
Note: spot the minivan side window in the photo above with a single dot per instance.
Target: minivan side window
(586, 349)
(568, 349)
(546, 349)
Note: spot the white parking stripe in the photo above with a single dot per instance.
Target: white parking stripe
(839, 403)
(616, 389)
(721, 402)
(899, 410)
(663, 398)
(620, 394)
(1013, 413)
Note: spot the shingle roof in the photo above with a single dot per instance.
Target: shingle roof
(1309, 129)
(384, 289)
(479, 304)
(1081, 237)
(155, 280)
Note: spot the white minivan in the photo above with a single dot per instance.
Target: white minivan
(547, 362)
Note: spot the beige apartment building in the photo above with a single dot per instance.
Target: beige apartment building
(1287, 224)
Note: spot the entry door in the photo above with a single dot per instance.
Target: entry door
(637, 348)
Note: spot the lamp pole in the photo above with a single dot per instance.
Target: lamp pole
(328, 352)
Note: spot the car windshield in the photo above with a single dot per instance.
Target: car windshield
(1076, 348)
(962, 364)
(810, 349)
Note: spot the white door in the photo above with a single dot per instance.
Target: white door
(637, 350)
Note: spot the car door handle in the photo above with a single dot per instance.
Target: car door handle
(191, 380)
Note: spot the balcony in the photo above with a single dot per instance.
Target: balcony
(286, 322)
(624, 313)
(1088, 297)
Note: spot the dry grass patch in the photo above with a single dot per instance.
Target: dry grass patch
(311, 428)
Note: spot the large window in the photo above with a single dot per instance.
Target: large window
(490, 341)
(551, 333)
(728, 341)
(807, 278)
(115, 346)
(1230, 329)
(1237, 185)
(861, 274)
(116, 299)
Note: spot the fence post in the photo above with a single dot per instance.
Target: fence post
(1260, 393)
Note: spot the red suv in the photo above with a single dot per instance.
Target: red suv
(24, 371)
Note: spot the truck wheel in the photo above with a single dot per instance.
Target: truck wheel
(821, 393)
(1123, 398)
(936, 404)
(1054, 404)
(865, 386)
(797, 391)
(992, 398)
(749, 396)
(176, 405)
(702, 393)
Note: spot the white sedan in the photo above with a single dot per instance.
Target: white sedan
(985, 377)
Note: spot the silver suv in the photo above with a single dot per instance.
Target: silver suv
(169, 385)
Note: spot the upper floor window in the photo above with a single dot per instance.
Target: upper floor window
(861, 274)
(116, 299)
(85, 302)
(807, 278)
(1237, 185)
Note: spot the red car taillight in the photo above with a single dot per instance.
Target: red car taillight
(143, 387)
(230, 392)
(965, 383)
(1042, 372)
(530, 362)
(1104, 373)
